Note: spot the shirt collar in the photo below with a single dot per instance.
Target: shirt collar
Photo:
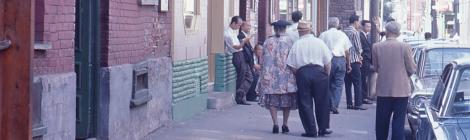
(244, 33)
(391, 38)
(333, 29)
(307, 35)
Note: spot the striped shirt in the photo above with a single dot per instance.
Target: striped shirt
(356, 49)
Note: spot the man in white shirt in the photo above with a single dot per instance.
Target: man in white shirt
(235, 47)
(339, 45)
(292, 29)
(310, 60)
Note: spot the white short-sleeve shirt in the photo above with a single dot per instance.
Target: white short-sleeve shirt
(230, 40)
(337, 41)
(309, 50)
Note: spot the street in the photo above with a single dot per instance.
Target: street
(254, 123)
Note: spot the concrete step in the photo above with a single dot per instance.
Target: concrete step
(220, 100)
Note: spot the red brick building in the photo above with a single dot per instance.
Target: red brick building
(101, 69)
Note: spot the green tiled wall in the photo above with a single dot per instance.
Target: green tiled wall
(190, 78)
(225, 74)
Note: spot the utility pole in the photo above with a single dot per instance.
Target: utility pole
(374, 12)
(434, 30)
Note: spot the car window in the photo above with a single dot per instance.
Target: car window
(461, 98)
(436, 59)
(438, 96)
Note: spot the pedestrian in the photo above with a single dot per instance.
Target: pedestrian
(366, 68)
(310, 59)
(339, 45)
(292, 29)
(353, 77)
(427, 36)
(394, 64)
(249, 58)
(258, 54)
(276, 84)
(235, 46)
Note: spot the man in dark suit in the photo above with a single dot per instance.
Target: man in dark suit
(249, 58)
(366, 69)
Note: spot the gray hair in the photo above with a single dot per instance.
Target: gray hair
(333, 22)
(393, 27)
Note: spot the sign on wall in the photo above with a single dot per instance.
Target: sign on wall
(149, 2)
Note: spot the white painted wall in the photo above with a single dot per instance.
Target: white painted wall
(192, 44)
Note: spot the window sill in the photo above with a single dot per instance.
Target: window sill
(42, 46)
(39, 130)
(141, 98)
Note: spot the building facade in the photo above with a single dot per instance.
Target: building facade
(122, 69)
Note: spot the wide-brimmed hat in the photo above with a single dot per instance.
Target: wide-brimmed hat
(304, 26)
(281, 23)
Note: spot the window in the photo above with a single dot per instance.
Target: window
(438, 96)
(283, 10)
(140, 87)
(190, 14)
(271, 11)
(308, 10)
(461, 96)
(437, 58)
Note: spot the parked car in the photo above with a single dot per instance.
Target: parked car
(447, 115)
(431, 59)
(419, 44)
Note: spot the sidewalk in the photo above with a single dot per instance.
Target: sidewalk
(254, 123)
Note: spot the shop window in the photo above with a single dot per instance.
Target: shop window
(191, 10)
(283, 10)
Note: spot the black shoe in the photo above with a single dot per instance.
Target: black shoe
(366, 102)
(360, 108)
(254, 100)
(244, 103)
(309, 135)
(350, 107)
(285, 129)
(275, 129)
(334, 110)
(325, 132)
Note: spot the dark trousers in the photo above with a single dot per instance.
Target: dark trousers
(244, 77)
(365, 73)
(312, 82)
(251, 95)
(386, 106)
(354, 78)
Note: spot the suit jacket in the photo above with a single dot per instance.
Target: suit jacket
(394, 64)
(366, 48)
(247, 51)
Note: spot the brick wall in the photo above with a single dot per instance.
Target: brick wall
(54, 25)
(134, 33)
(342, 9)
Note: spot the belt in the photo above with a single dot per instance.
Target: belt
(310, 65)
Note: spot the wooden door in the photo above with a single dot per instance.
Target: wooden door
(16, 42)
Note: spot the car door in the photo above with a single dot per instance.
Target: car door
(16, 41)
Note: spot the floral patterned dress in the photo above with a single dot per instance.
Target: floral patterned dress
(276, 83)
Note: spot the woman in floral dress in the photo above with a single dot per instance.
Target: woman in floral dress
(276, 84)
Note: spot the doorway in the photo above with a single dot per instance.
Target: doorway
(87, 64)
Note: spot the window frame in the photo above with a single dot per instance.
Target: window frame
(451, 97)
